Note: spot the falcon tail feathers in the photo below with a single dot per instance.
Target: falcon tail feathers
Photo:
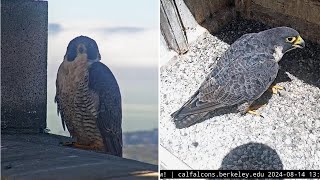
(187, 120)
(113, 146)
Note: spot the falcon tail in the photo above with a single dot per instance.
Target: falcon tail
(183, 118)
(185, 121)
(113, 146)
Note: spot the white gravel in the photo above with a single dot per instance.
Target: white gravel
(288, 137)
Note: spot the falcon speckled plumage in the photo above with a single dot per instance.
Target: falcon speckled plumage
(242, 75)
(88, 98)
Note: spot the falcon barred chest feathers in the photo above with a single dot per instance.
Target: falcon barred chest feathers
(244, 72)
(88, 98)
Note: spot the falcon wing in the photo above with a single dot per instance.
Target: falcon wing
(59, 110)
(58, 100)
(210, 96)
(230, 85)
(103, 83)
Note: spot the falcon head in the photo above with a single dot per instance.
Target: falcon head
(82, 45)
(284, 38)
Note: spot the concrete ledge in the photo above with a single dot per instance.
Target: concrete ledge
(30, 156)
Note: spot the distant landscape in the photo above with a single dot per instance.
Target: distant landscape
(141, 146)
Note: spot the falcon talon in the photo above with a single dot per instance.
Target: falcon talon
(279, 87)
(242, 74)
(253, 112)
(275, 89)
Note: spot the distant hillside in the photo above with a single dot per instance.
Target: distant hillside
(141, 146)
(141, 137)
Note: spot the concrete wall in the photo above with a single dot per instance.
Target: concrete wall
(303, 15)
(24, 25)
(211, 14)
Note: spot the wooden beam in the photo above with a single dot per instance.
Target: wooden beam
(171, 27)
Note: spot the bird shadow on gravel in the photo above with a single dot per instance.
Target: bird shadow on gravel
(252, 156)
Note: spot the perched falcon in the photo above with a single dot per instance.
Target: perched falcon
(88, 98)
(242, 75)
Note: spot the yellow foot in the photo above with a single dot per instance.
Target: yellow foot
(67, 143)
(85, 147)
(253, 112)
(81, 146)
(275, 89)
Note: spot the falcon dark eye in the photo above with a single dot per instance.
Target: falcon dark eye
(290, 39)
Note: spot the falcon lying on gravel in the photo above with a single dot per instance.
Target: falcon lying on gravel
(242, 75)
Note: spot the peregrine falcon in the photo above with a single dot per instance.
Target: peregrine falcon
(244, 72)
(88, 98)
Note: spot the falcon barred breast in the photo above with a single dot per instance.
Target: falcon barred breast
(88, 98)
(244, 72)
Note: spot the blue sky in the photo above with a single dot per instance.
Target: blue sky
(127, 34)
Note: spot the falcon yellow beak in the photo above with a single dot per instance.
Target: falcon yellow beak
(299, 42)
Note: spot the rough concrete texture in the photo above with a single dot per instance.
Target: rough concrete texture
(202, 9)
(27, 156)
(212, 15)
(302, 15)
(288, 137)
(24, 65)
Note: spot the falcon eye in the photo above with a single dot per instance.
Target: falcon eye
(290, 39)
